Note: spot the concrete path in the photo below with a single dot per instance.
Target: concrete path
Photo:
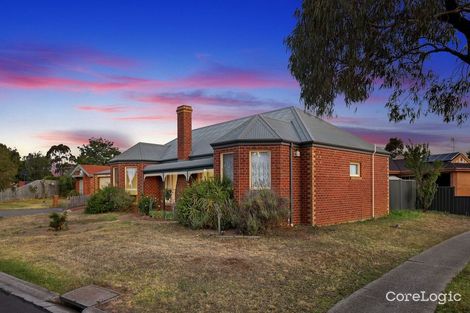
(428, 272)
(23, 212)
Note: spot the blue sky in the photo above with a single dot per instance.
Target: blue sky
(69, 71)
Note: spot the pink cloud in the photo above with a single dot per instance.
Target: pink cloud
(103, 109)
(52, 67)
(144, 118)
(219, 76)
(80, 137)
(203, 98)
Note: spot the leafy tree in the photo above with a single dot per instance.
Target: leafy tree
(61, 158)
(98, 151)
(35, 166)
(9, 162)
(468, 154)
(425, 173)
(395, 147)
(348, 48)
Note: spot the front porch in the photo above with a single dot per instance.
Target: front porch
(166, 181)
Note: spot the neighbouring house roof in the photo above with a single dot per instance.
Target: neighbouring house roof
(88, 170)
(445, 157)
(398, 165)
(202, 163)
(289, 124)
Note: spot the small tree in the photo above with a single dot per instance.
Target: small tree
(426, 173)
(9, 161)
(395, 147)
(98, 151)
(61, 158)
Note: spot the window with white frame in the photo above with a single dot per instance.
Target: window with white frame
(131, 180)
(227, 166)
(260, 170)
(354, 169)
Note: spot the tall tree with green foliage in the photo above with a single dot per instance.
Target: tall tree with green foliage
(349, 48)
(35, 166)
(395, 146)
(98, 151)
(9, 163)
(425, 173)
(61, 158)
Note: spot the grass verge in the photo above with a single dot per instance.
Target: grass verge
(460, 284)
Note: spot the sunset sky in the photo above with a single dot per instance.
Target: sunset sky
(119, 69)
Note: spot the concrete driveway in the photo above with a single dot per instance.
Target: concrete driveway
(23, 212)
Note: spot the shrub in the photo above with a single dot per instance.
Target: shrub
(146, 204)
(259, 212)
(66, 185)
(200, 203)
(108, 199)
(58, 221)
(73, 193)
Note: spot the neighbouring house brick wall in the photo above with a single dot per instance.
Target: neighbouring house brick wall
(122, 175)
(88, 185)
(339, 198)
(280, 171)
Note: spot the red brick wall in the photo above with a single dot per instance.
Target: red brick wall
(184, 113)
(181, 183)
(339, 198)
(280, 169)
(121, 172)
(153, 187)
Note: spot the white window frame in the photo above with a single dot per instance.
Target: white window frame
(270, 169)
(358, 169)
(222, 164)
(132, 192)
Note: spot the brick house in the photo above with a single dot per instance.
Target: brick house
(455, 171)
(90, 178)
(328, 175)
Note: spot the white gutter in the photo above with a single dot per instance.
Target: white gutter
(373, 181)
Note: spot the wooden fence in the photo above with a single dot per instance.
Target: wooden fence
(77, 201)
(445, 200)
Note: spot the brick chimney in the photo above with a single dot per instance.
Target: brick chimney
(184, 113)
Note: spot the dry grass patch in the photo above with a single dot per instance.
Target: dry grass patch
(30, 204)
(161, 267)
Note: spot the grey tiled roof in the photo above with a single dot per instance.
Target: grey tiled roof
(180, 165)
(141, 152)
(289, 124)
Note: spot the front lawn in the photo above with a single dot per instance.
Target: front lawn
(30, 204)
(162, 266)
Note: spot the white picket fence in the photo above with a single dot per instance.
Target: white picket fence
(34, 190)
